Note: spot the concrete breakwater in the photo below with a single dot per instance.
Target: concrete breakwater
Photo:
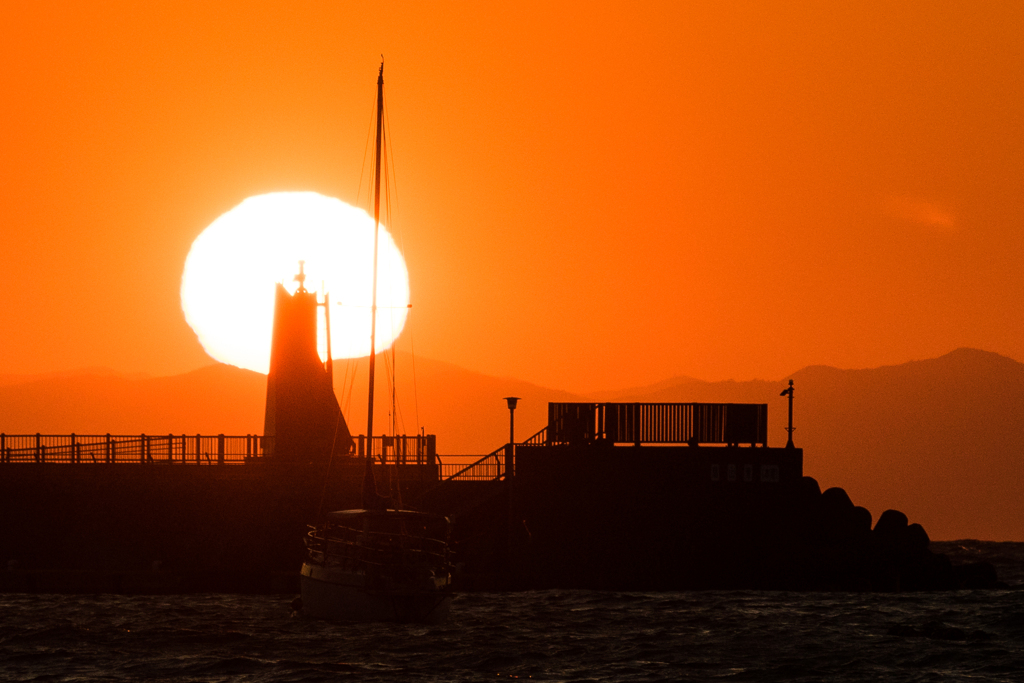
(621, 518)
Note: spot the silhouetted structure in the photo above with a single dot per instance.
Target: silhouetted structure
(633, 496)
(661, 423)
(789, 392)
(303, 418)
(109, 449)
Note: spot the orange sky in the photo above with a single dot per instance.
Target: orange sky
(589, 196)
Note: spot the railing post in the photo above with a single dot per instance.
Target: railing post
(637, 427)
(74, 450)
(143, 449)
(3, 448)
(38, 448)
(199, 447)
(109, 450)
(220, 449)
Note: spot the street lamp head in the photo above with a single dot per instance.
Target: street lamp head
(512, 400)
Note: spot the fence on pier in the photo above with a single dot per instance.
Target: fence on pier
(658, 423)
(418, 449)
(194, 449)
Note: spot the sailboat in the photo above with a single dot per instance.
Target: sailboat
(380, 562)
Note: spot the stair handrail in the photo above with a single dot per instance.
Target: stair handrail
(493, 454)
(539, 438)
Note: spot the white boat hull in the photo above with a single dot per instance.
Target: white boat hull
(343, 596)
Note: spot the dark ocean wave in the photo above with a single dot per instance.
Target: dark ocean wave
(1006, 556)
(544, 635)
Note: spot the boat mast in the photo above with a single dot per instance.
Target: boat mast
(376, 233)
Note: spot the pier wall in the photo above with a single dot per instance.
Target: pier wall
(652, 517)
(125, 517)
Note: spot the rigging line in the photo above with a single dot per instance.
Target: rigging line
(394, 483)
(415, 392)
(393, 179)
(398, 416)
(327, 476)
(389, 364)
(401, 419)
(391, 369)
(394, 389)
(389, 172)
(348, 399)
(394, 381)
(390, 151)
(387, 169)
(389, 376)
(346, 386)
(366, 153)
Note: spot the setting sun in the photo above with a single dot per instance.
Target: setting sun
(227, 288)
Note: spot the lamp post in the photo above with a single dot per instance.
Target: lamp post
(510, 452)
(510, 469)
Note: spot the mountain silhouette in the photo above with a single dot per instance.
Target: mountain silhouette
(465, 409)
(217, 399)
(941, 440)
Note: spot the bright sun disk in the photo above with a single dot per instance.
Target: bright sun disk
(227, 288)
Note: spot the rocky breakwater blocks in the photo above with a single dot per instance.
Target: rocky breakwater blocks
(844, 552)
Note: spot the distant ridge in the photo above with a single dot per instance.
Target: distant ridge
(7, 380)
(211, 400)
(941, 439)
(465, 409)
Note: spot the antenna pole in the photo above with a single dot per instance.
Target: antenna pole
(376, 233)
(789, 392)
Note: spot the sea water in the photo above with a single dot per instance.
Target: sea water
(541, 635)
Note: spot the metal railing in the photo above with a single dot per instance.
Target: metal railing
(658, 423)
(418, 449)
(189, 448)
(490, 466)
(487, 468)
(538, 439)
(193, 449)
